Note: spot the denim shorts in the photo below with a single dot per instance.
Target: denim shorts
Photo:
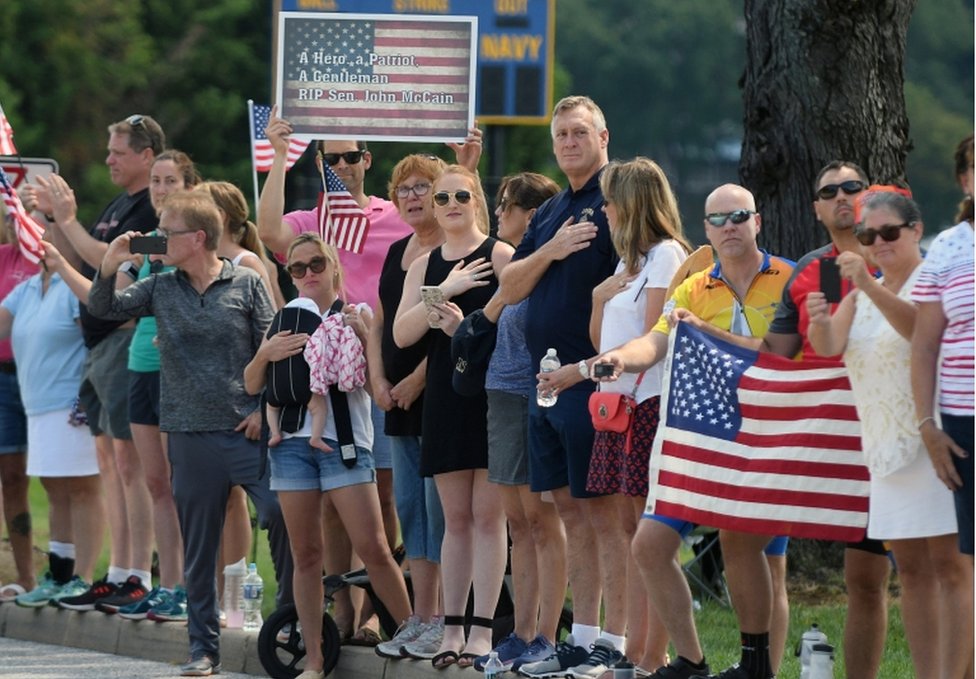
(13, 421)
(382, 448)
(295, 465)
(776, 547)
(417, 502)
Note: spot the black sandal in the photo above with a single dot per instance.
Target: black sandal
(466, 659)
(448, 658)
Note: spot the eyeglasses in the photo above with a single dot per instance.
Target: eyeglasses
(135, 121)
(351, 157)
(737, 217)
(850, 187)
(298, 269)
(889, 233)
(462, 197)
(419, 189)
(506, 203)
(170, 234)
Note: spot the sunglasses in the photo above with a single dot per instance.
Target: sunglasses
(351, 157)
(419, 189)
(889, 233)
(297, 269)
(135, 121)
(850, 187)
(462, 197)
(737, 217)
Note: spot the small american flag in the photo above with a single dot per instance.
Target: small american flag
(261, 150)
(341, 221)
(29, 232)
(757, 443)
(7, 147)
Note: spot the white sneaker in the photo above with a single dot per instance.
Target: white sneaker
(409, 631)
(428, 643)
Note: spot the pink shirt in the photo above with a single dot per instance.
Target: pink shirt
(362, 272)
(14, 269)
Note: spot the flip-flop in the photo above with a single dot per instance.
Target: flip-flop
(365, 636)
(467, 659)
(444, 659)
(10, 592)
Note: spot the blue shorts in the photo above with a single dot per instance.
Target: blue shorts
(295, 465)
(382, 448)
(144, 397)
(561, 443)
(776, 547)
(960, 429)
(13, 420)
(417, 502)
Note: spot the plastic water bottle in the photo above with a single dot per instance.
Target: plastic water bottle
(810, 638)
(549, 363)
(494, 667)
(822, 661)
(234, 574)
(252, 594)
(624, 669)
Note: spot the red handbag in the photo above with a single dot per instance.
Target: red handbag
(613, 411)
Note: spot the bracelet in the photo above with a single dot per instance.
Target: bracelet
(921, 422)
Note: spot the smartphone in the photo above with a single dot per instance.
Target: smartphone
(602, 369)
(148, 245)
(431, 295)
(830, 279)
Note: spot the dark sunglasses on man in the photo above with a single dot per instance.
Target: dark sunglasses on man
(736, 216)
(889, 233)
(351, 157)
(850, 187)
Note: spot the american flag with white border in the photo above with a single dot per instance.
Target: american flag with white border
(754, 442)
(29, 232)
(341, 221)
(261, 151)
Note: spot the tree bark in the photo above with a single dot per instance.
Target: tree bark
(823, 81)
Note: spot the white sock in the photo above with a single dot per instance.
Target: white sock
(617, 640)
(585, 635)
(66, 550)
(145, 577)
(117, 574)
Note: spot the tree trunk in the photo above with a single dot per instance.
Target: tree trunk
(823, 81)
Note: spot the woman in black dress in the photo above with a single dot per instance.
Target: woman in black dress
(455, 442)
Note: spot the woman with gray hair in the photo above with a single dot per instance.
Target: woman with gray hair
(909, 506)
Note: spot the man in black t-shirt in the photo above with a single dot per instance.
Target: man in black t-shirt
(133, 145)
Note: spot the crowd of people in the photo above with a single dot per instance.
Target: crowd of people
(136, 383)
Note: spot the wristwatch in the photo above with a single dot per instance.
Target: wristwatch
(584, 370)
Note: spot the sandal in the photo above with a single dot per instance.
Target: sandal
(467, 658)
(10, 592)
(447, 658)
(365, 636)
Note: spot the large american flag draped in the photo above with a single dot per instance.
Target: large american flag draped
(261, 150)
(427, 90)
(7, 147)
(757, 443)
(341, 221)
(29, 232)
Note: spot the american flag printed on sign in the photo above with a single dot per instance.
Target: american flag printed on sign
(261, 150)
(29, 232)
(377, 78)
(757, 443)
(341, 221)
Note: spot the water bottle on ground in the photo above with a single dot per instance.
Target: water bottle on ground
(822, 661)
(549, 363)
(234, 574)
(810, 638)
(252, 594)
(494, 667)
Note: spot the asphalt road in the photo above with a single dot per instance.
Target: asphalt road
(43, 661)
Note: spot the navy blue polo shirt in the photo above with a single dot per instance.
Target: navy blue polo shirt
(561, 302)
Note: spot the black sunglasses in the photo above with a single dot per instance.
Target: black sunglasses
(737, 217)
(351, 157)
(462, 197)
(298, 269)
(850, 187)
(135, 121)
(889, 233)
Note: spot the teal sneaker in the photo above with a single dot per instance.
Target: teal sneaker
(140, 609)
(171, 610)
(40, 595)
(73, 587)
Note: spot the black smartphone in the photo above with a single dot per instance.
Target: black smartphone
(148, 245)
(830, 279)
(602, 369)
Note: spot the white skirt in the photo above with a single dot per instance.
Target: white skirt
(911, 503)
(55, 448)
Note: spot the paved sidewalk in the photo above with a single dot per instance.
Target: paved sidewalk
(167, 643)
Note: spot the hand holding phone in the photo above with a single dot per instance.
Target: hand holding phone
(602, 370)
(830, 279)
(147, 245)
(431, 295)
